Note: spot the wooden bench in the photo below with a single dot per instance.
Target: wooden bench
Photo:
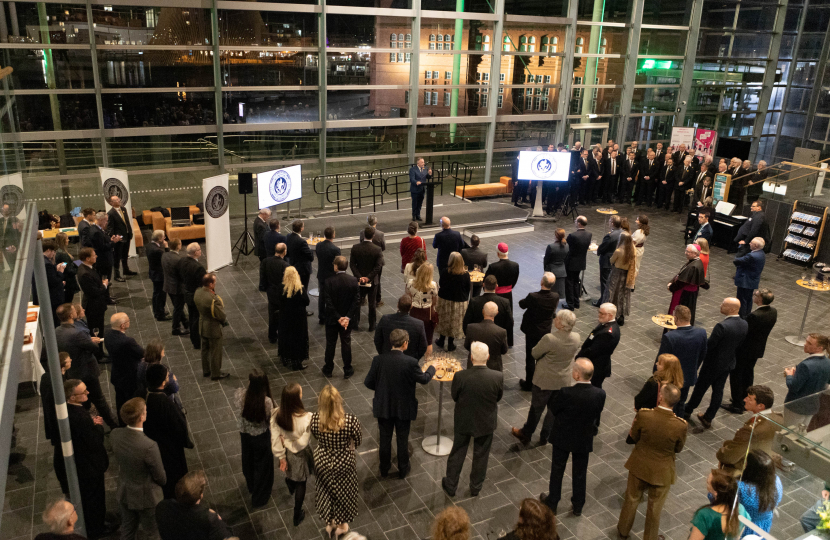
(503, 187)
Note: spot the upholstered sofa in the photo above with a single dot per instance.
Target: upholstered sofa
(502, 187)
(191, 232)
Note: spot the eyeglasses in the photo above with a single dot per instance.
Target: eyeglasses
(80, 393)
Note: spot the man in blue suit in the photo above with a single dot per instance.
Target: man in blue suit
(446, 242)
(705, 230)
(748, 274)
(418, 174)
(808, 378)
(688, 344)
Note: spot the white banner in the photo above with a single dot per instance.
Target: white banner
(115, 182)
(682, 135)
(217, 222)
(11, 193)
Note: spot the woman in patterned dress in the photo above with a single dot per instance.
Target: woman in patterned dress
(337, 434)
(454, 292)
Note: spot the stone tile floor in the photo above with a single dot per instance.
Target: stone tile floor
(404, 509)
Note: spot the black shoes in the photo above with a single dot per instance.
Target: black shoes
(402, 473)
(596, 304)
(526, 386)
(447, 490)
(440, 341)
(309, 313)
(130, 273)
(120, 279)
(299, 518)
(703, 421)
(734, 409)
(221, 376)
(327, 373)
(348, 374)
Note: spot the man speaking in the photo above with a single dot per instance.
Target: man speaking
(417, 176)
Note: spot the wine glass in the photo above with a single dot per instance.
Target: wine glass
(804, 276)
(95, 332)
(476, 268)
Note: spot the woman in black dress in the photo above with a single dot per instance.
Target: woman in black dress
(293, 333)
(255, 405)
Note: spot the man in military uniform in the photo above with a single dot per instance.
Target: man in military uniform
(601, 342)
(658, 436)
(211, 320)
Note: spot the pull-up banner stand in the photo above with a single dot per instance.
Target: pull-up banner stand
(217, 222)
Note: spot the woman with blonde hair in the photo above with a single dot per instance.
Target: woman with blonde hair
(667, 371)
(290, 435)
(293, 323)
(424, 293)
(454, 292)
(622, 277)
(452, 523)
(70, 287)
(337, 433)
(704, 254)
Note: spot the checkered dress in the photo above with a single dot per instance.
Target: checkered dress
(336, 470)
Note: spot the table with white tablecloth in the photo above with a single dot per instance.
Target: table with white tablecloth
(30, 367)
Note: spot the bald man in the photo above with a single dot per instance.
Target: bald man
(126, 355)
(446, 242)
(489, 333)
(60, 517)
(725, 339)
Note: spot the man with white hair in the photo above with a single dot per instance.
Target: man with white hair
(554, 355)
(154, 250)
(476, 392)
(540, 308)
(126, 356)
(489, 333)
(601, 342)
(190, 272)
(60, 516)
(260, 228)
(102, 243)
(748, 274)
(754, 188)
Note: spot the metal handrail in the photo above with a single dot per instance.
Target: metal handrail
(364, 181)
(387, 175)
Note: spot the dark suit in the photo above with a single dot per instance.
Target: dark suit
(612, 169)
(646, 186)
(725, 339)
(749, 230)
(605, 250)
(366, 261)
(190, 272)
(177, 521)
(54, 282)
(300, 257)
(704, 231)
(120, 224)
(586, 188)
(167, 426)
(598, 348)
(417, 191)
(628, 178)
(507, 275)
(83, 233)
(577, 412)
(342, 300)
(701, 192)
(688, 344)
(578, 243)
(260, 228)
(403, 321)
(92, 462)
(95, 296)
(140, 477)
(504, 319)
(447, 241)
(811, 377)
(174, 287)
(476, 392)
(492, 335)
(102, 245)
(272, 270)
(748, 277)
(664, 191)
(540, 308)
(270, 239)
(326, 252)
(126, 355)
(578, 170)
(759, 325)
(393, 376)
(475, 256)
(685, 181)
(154, 254)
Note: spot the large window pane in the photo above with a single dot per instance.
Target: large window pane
(604, 10)
(552, 8)
(37, 113)
(461, 138)
(742, 98)
(603, 70)
(668, 13)
(267, 28)
(266, 106)
(513, 136)
(156, 110)
(154, 68)
(439, 101)
(757, 18)
(269, 68)
(368, 68)
(388, 140)
(662, 42)
(595, 101)
(793, 125)
(647, 100)
(41, 157)
(440, 35)
(361, 104)
(161, 151)
(818, 19)
(534, 99)
(470, 6)
(273, 145)
(601, 39)
(718, 14)
(37, 68)
(435, 67)
(366, 30)
(737, 125)
(649, 128)
(651, 71)
(534, 38)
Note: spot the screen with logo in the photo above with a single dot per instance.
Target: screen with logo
(280, 186)
(545, 166)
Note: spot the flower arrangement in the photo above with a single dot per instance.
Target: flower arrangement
(824, 513)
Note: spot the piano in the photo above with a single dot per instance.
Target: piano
(724, 229)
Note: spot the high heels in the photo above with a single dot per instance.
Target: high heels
(338, 532)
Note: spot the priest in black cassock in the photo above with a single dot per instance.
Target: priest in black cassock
(685, 285)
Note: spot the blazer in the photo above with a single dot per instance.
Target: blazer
(554, 356)
(474, 256)
(126, 355)
(477, 392)
(725, 339)
(270, 239)
(404, 321)
(554, 260)
(760, 323)
(167, 426)
(342, 298)
(54, 280)
(271, 271)
(475, 307)
(605, 168)
(447, 241)
(751, 227)
(750, 266)
(685, 178)
(366, 260)
(190, 272)
(95, 293)
(704, 231)
(81, 349)
(169, 266)
(757, 433)
(154, 254)
(658, 436)
(492, 335)
(540, 308)
(141, 472)
(418, 175)
(91, 457)
(599, 346)
(652, 171)
(578, 169)
(506, 272)
(47, 401)
(378, 238)
(630, 169)
(393, 376)
(667, 173)
(326, 252)
(607, 247)
(299, 254)
(578, 243)
(211, 313)
(83, 233)
(811, 376)
(688, 344)
(179, 522)
(260, 227)
(577, 410)
(120, 223)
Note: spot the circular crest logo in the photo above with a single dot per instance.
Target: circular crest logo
(216, 202)
(113, 187)
(13, 196)
(280, 186)
(543, 167)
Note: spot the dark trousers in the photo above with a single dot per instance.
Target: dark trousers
(305, 279)
(743, 249)
(417, 202)
(60, 468)
(706, 379)
(681, 405)
(321, 301)
(679, 195)
(540, 400)
(531, 340)
(573, 288)
(212, 356)
(122, 396)
(609, 189)
(94, 501)
(273, 321)
(401, 427)
(745, 296)
(193, 317)
(579, 474)
(626, 190)
(741, 378)
(159, 300)
(663, 195)
(604, 274)
(258, 466)
(332, 331)
(96, 397)
(371, 293)
(509, 297)
(179, 320)
(597, 380)
(298, 489)
(646, 192)
(120, 251)
(481, 454)
(95, 318)
(377, 286)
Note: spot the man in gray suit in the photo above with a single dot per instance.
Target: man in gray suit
(379, 241)
(141, 472)
(476, 392)
(174, 287)
(489, 333)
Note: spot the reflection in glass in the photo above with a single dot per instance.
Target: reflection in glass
(55, 112)
(71, 68)
(267, 28)
(646, 100)
(155, 68)
(269, 68)
(388, 140)
(167, 109)
(274, 145)
(267, 106)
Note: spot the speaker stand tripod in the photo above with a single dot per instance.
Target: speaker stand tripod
(242, 243)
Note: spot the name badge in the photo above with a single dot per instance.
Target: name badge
(591, 336)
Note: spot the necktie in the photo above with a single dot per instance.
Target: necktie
(630, 162)
(586, 163)
(613, 166)
(650, 162)
(121, 215)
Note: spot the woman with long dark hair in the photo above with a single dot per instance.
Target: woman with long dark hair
(290, 435)
(257, 462)
(154, 354)
(719, 519)
(419, 258)
(622, 276)
(759, 489)
(424, 293)
(536, 522)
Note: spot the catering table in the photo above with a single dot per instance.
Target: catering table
(664, 321)
(446, 367)
(52, 233)
(810, 286)
(30, 368)
(607, 211)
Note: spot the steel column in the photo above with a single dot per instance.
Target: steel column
(566, 77)
(493, 90)
(687, 77)
(217, 86)
(630, 69)
(96, 78)
(790, 75)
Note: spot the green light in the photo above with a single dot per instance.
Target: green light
(650, 63)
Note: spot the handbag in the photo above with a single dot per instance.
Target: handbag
(433, 314)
